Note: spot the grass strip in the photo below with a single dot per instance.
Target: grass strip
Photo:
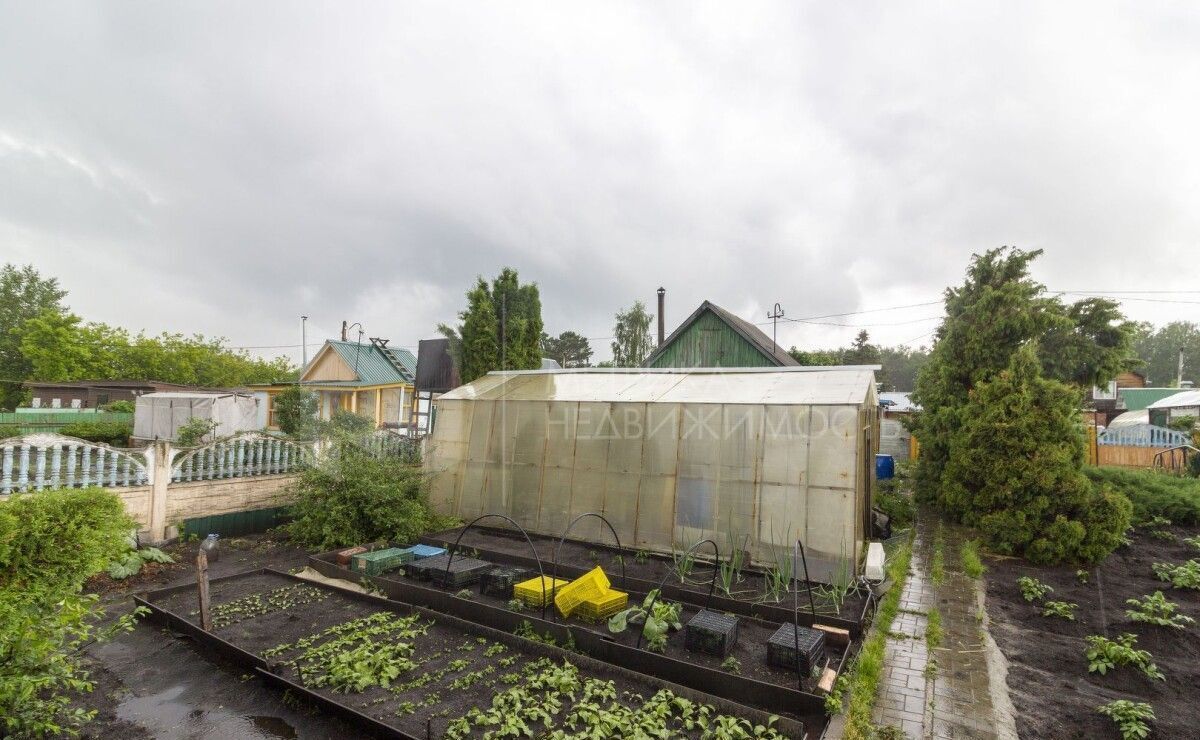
(971, 563)
(862, 680)
(933, 628)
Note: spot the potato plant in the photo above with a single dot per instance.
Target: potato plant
(1130, 717)
(1106, 655)
(1032, 589)
(1185, 575)
(1158, 610)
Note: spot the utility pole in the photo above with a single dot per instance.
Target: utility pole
(1179, 373)
(303, 341)
(775, 316)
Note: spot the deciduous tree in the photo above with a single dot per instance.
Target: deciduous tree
(569, 349)
(632, 343)
(24, 294)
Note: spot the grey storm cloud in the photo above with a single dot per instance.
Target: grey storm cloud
(226, 167)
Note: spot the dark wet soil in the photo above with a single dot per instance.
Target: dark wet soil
(443, 646)
(153, 684)
(1048, 680)
(750, 585)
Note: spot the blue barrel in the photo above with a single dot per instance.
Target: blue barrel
(885, 467)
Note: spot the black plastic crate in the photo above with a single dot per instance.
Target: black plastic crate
(711, 632)
(499, 581)
(423, 568)
(781, 648)
(463, 572)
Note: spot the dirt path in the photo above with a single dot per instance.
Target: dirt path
(946, 691)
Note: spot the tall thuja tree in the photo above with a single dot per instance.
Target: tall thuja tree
(501, 328)
(998, 309)
(993, 313)
(1015, 470)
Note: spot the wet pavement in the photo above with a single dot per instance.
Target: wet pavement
(956, 689)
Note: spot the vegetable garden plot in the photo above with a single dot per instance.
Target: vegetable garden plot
(743, 675)
(837, 605)
(1052, 689)
(410, 672)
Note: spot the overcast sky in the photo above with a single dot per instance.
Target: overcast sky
(226, 167)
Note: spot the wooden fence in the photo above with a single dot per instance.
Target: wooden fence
(1136, 446)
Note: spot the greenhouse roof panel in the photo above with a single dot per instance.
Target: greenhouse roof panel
(840, 385)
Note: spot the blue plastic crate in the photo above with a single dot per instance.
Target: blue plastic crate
(426, 551)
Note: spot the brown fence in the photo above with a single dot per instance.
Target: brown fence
(1127, 456)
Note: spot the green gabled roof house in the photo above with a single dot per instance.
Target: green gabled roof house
(714, 337)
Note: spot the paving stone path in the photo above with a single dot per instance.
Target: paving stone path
(950, 691)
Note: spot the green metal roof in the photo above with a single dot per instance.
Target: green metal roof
(371, 366)
(1137, 399)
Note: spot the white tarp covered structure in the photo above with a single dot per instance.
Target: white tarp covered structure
(670, 457)
(160, 415)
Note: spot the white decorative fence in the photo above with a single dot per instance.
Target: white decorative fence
(40, 461)
(242, 457)
(1143, 435)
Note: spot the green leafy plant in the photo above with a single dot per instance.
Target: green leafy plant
(1131, 717)
(1060, 609)
(1032, 589)
(731, 664)
(465, 593)
(659, 618)
(1157, 609)
(1185, 575)
(1081, 576)
(120, 407)
(933, 629)
(195, 431)
(515, 605)
(641, 556)
(1105, 655)
(1194, 541)
(50, 543)
(354, 497)
(130, 563)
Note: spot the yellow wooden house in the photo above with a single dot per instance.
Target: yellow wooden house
(371, 379)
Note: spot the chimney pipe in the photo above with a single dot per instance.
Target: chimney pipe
(662, 336)
(343, 330)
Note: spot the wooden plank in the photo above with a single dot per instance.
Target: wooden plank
(834, 635)
(202, 590)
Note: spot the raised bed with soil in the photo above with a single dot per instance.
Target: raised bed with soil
(1048, 680)
(769, 687)
(444, 677)
(749, 594)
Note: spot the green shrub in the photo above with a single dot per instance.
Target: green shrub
(296, 411)
(1032, 589)
(115, 433)
(352, 498)
(120, 407)
(897, 504)
(1157, 609)
(195, 431)
(50, 543)
(1185, 575)
(1106, 655)
(1015, 471)
(1153, 494)
(1060, 609)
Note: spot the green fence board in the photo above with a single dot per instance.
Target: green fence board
(236, 523)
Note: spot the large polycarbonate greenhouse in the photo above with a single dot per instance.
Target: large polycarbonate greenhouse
(670, 457)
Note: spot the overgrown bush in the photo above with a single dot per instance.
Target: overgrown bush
(195, 431)
(120, 407)
(115, 433)
(1153, 494)
(891, 498)
(50, 542)
(351, 498)
(1015, 471)
(296, 411)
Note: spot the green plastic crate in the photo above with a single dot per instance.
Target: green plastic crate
(379, 561)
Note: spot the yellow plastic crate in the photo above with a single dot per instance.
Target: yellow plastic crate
(591, 585)
(533, 591)
(595, 610)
